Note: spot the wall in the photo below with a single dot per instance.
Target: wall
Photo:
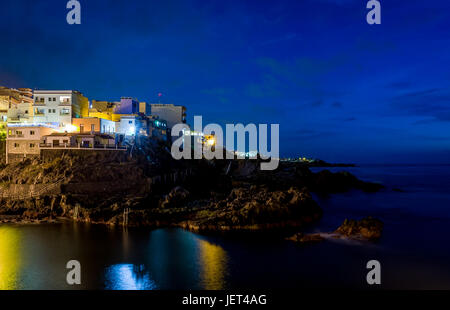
(43, 110)
(86, 123)
(172, 114)
(127, 106)
(110, 154)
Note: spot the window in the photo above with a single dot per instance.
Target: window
(81, 128)
(39, 111)
(16, 144)
(66, 141)
(130, 122)
(64, 99)
(32, 145)
(18, 132)
(92, 127)
(31, 132)
(26, 111)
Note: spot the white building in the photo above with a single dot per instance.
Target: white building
(58, 107)
(23, 141)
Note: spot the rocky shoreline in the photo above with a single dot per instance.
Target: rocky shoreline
(217, 195)
(366, 229)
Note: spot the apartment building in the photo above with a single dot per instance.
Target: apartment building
(23, 141)
(58, 107)
(16, 106)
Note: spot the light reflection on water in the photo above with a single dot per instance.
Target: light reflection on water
(213, 261)
(35, 257)
(10, 257)
(128, 277)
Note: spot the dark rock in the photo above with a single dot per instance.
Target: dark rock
(306, 238)
(367, 228)
(176, 198)
(256, 209)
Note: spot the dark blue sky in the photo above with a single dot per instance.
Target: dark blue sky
(341, 90)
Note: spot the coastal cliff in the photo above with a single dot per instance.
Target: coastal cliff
(199, 195)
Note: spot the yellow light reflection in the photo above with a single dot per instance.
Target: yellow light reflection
(213, 261)
(9, 257)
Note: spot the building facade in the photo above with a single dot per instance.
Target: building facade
(16, 106)
(23, 141)
(102, 109)
(93, 125)
(127, 105)
(172, 114)
(58, 107)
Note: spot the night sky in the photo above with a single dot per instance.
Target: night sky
(341, 90)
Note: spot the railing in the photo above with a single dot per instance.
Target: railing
(75, 147)
(32, 193)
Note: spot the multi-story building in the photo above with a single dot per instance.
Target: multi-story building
(58, 107)
(16, 106)
(23, 140)
(172, 114)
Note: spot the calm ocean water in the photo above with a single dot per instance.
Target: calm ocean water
(414, 251)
